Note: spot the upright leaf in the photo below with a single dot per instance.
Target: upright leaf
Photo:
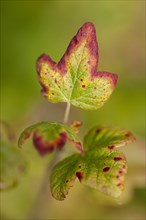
(74, 79)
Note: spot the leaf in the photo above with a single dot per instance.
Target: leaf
(100, 170)
(104, 170)
(12, 166)
(63, 176)
(74, 79)
(102, 136)
(48, 136)
(101, 167)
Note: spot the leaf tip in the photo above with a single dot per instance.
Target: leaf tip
(24, 135)
(111, 77)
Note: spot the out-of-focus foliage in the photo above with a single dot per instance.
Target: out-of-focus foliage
(29, 28)
(12, 166)
(12, 163)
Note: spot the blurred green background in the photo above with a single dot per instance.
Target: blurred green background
(30, 28)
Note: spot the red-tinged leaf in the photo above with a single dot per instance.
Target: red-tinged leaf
(74, 79)
(48, 136)
(110, 137)
(101, 167)
(98, 170)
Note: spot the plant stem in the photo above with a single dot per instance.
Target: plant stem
(66, 115)
(42, 200)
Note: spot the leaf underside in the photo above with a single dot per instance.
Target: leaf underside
(102, 167)
(48, 136)
(74, 79)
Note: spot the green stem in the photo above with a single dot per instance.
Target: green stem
(38, 211)
(66, 115)
(42, 200)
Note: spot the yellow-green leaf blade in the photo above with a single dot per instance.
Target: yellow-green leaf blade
(74, 78)
(104, 170)
(63, 176)
(102, 136)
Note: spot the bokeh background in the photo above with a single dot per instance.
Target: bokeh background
(30, 28)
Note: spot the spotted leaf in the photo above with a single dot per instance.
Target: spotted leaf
(48, 136)
(100, 167)
(74, 79)
(110, 137)
(63, 176)
(104, 170)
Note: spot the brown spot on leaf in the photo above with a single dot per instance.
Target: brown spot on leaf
(79, 175)
(106, 169)
(44, 89)
(117, 158)
(121, 185)
(128, 134)
(97, 130)
(83, 86)
(81, 80)
(66, 181)
(111, 147)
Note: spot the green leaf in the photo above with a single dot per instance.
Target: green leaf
(48, 136)
(63, 176)
(74, 79)
(104, 170)
(101, 167)
(102, 136)
(12, 166)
